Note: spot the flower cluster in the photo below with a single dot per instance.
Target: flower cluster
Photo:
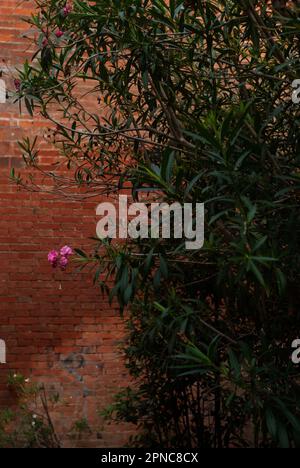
(17, 84)
(59, 33)
(45, 42)
(67, 9)
(60, 259)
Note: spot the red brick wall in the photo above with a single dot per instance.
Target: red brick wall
(58, 328)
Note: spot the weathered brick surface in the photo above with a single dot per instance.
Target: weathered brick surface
(58, 328)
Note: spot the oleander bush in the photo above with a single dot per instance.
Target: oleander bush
(191, 102)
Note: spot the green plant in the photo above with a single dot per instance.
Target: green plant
(192, 103)
(80, 429)
(30, 424)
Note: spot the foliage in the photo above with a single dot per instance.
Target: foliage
(30, 424)
(191, 102)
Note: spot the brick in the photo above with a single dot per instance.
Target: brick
(51, 321)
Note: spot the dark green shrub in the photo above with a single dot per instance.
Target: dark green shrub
(194, 101)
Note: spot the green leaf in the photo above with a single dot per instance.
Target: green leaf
(283, 436)
(29, 106)
(258, 275)
(271, 423)
(234, 364)
(259, 244)
(80, 253)
(163, 267)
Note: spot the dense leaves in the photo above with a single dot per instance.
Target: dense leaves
(190, 102)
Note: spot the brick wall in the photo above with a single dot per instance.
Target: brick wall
(58, 328)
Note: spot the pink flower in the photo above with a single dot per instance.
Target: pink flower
(66, 251)
(60, 259)
(67, 9)
(53, 258)
(17, 84)
(63, 263)
(59, 33)
(45, 42)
